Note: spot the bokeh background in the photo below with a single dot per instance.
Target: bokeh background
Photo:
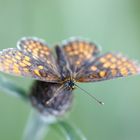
(115, 25)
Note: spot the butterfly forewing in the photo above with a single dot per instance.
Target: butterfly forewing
(18, 63)
(108, 66)
(38, 48)
(78, 52)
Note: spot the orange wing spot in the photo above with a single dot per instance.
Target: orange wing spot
(29, 50)
(119, 62)
(19, 53)
(26, 62)
(27, 58)
(81, 48)
(124, 71)
(26, 70)
(68, 49)
(102, 73)
(43, 52)
(132, 68)
(70, 53)
(114, 72)
(109, 56)
(35, 51)
(17, 57)
(129, 65)
(75, 46)
(47, 52)
(37, 72)
(133, 71)
(15, 65)
(40, 67)
(78, 62)
(22, 64)
(113, 60)
(86, 48)
(81, 45)
(103, 60)
(113, 66)
(106, 65)
(85, 53)
(16, 70)
(30, 46)
(92, 49)
(48, 62)
(13, 59)
(75, 52)
(46, 48)
(8, 61)
(93, 68)
(88, 56)
(120, 67)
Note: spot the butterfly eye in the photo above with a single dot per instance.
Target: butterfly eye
(71, 84)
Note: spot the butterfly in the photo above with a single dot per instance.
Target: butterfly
(75, 60)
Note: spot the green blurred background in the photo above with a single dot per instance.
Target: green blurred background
(115, 25)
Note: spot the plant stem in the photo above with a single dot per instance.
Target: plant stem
(37, 126)
(12, 89)
(69, 131)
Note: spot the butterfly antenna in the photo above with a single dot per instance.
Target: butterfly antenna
(93, 97)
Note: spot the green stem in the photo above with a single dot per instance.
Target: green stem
(12, 89)
(37, 126)
(69, 131)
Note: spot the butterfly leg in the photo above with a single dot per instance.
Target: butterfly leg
(57, 92)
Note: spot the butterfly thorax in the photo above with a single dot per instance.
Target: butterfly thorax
(66, 72)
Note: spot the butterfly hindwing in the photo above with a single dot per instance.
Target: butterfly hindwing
(78, 52)
(16, 62)
(108, 66)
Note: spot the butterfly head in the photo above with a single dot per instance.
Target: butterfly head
(70, 84)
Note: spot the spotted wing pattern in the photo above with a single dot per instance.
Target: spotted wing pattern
(38, 48)
(78, 52)
(15, 62)
(108, 66)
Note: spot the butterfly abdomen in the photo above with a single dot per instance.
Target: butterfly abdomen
(41, 92)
